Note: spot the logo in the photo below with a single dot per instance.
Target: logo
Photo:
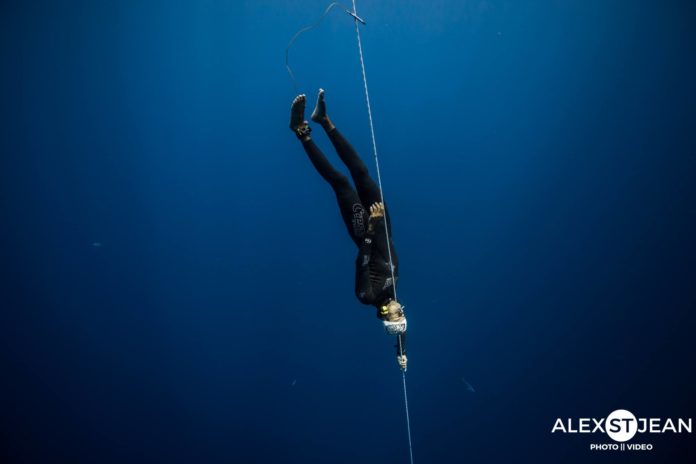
(622, 426)
(357, 220)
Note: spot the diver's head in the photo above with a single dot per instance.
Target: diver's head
(392, 315)
(392, 311)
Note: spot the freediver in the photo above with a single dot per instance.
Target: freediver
(373, 276)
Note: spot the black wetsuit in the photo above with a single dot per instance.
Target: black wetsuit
(373, 276)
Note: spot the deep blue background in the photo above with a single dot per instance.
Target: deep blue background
(178, 286)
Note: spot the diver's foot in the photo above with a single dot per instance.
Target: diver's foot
(297, 113)
(319, 113)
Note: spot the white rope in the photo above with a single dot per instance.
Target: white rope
(386, 226)
(374, 147)
(408, 420)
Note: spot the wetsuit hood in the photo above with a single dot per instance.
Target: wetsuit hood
(395, 328)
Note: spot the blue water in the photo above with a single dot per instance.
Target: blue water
(178, 284)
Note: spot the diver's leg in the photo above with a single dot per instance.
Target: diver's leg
(337, 180)
(297, 113)
(367, 188)
(349, 204)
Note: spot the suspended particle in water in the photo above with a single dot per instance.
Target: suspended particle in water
(469, 388)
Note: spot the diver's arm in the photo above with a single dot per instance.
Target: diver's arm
(400, 344)
(375, 231)
(383, 243)
(363, 285)
(380, 238)
(381, 252)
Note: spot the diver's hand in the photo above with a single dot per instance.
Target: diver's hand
(376, 216)
(402, 360)
(377, 210)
